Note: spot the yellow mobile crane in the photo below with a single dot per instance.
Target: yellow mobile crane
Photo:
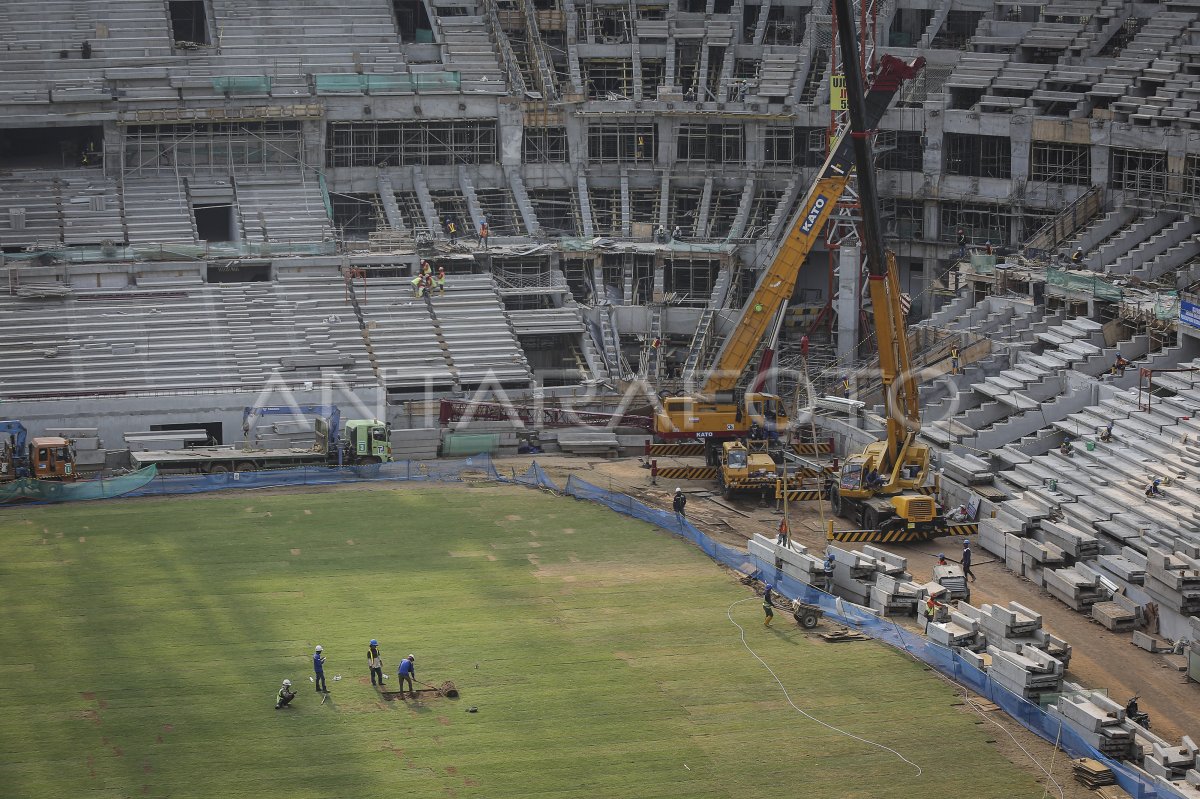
(714, 414)
(879, 488)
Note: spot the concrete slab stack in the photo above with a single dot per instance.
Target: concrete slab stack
(1038, 557)
(853, 575)
(1078, 586)
(960, 631)
(1027, 672)
(894, 597)
(1016, 626)
(1173, 580)
(1079, 544)
(791, 559)
(1130, 565)
(993, 534)
(1098, 719)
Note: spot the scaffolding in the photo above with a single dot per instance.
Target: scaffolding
(623, 142)
(214, 148)
(500, 207)
(426, 143)
(720, 144)
(608, 78)
(357, 216)
(978, 156)
(544, 145)
(556, 210)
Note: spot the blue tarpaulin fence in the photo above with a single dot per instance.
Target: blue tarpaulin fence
(945, 660)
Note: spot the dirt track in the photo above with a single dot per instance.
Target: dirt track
(1100, 658)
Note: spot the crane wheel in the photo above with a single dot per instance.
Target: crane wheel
(219, 472)
(245, 466)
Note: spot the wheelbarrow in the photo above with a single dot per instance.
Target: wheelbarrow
(806, 615)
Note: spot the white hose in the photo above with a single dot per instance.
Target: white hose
(788, 697)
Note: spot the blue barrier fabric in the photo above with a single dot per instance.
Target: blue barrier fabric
(945, 660)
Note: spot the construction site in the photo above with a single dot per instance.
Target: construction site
(845, 285)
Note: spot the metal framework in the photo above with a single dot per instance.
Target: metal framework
(215, 148)
(373, 144)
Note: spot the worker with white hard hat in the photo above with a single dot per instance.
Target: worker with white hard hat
(285, 695)
(679, 503)
(319, 669)
(406, 673)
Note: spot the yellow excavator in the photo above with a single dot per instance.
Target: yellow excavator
(714, 414)
(880, 488)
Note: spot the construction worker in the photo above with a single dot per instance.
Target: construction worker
(959, 514)
(375, 662)
(932, 606)
(768, 606)
(679, 503)
(677, 234)
(285, 695)
(1067, 448)
(425, 267)
(781, 538)
(961, 237)
(319, 669)
(660, 235)
(406, 673)
(417, 283)
(1119, 366)
(827, 567)
(954, 360)
(942, 560)
(452, 230)
(483, 233)
(441, 281)
(427, 284)
(1153, 490)
(1077, 256)
(1106, 433)
(966, 559)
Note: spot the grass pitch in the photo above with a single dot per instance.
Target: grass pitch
(143, 642)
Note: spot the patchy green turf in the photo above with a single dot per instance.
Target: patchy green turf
(143, 642)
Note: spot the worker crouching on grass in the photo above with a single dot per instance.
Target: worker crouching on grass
(406, 673)
(285, 695)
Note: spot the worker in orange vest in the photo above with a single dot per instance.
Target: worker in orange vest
(441, 281)
(483, 233)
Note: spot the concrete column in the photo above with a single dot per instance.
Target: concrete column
(509, 127)
(849, 259)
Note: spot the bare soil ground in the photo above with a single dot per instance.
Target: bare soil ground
(1100, 658)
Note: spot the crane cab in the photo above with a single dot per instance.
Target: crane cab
(682, 418)
(52, 458)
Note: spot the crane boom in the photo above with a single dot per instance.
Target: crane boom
(775, 287)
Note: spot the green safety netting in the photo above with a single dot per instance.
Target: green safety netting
(242, 84)
(33, 490)
(406, 83)
(1084, 284)
(1166, 306)
(982, 263)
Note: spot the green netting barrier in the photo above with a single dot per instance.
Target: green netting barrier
(31, 490)
(982, 263)
(242, 84)
(1167, 306)
(407, 83)
(1084, 284)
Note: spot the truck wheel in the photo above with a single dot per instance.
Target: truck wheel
(219, 472)
(870, 519)
(245, 466)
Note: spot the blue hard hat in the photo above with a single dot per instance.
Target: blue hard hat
(374, 642)
(940, 555)
(770, 587)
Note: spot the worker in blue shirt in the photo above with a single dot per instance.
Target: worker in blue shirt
(406, 672)
(319, 669)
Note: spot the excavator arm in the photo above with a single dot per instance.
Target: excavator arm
(777, 284)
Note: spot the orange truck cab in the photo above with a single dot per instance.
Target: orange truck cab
(52, 458)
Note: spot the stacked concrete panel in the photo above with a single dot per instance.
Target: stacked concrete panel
(790, 559)
(1027, 672)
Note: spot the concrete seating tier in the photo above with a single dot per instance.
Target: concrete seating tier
(157, 210)
(278, 211)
